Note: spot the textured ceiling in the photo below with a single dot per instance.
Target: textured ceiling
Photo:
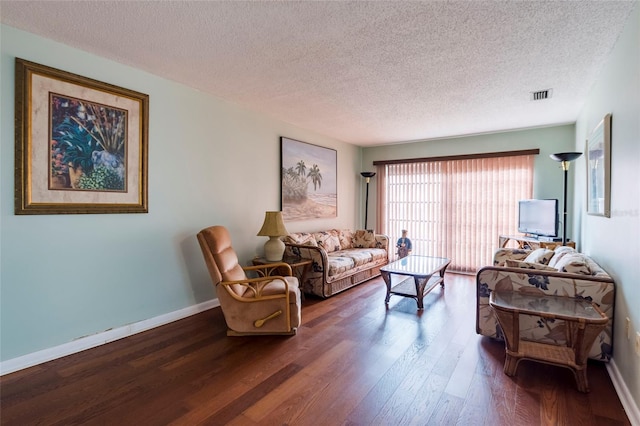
(367, 73)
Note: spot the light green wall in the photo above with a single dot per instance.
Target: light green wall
(63, 277)
(615, 242)
(548, 175)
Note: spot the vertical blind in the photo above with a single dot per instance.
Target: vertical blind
(454, 208)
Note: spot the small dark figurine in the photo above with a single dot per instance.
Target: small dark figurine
(403, 245)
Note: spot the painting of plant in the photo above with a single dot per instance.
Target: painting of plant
(81, 145)
(309, 174)
(88, 145)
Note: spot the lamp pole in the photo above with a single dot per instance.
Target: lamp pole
(565, 158)
(367, 176)
(565, 168)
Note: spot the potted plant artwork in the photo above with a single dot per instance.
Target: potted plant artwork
(88, 146)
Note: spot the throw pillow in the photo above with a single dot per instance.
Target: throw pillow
(364, 239)
(502, 254)
(541, 255)
(346, 239)
(528, 265)
(328, 241)
(573, 263)
(302, 238)
(559, 253)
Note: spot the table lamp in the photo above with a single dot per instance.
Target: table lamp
(273, 227)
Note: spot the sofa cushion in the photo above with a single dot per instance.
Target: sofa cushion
(376, 253)
(359, 256)
(528, 265)
(541, 255)
(364, 239)
(558, 253)
(328, 240)
(303, 238)
(339, 264)
(596, 270)
(573, 263)
(346, 238)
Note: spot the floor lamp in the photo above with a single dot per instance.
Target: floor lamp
(565, 158)
(367, 176)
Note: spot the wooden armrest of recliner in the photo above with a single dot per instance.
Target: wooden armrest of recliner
(256, 286)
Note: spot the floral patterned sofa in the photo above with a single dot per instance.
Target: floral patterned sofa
(561, 272)
(341, 258)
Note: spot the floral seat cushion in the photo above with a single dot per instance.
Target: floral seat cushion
(376, 253)
(359, 257)
(339, 264)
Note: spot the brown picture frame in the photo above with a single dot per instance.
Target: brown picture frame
(309, 179)
(599, 169)
(81, 145)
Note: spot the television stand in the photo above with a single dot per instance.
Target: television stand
(531, 243)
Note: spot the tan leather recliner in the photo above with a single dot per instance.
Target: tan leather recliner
(265, 304)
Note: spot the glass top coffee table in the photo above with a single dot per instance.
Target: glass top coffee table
(422, 274)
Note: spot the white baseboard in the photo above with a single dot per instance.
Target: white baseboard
(629, 405)
(102, 338)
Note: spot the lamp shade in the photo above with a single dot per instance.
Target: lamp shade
(368, 174)
(273, 225)
(565, 156)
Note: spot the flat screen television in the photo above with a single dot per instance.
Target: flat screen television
(538, 217)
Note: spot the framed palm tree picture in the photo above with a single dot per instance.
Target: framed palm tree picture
(81, 144)
(309, 180)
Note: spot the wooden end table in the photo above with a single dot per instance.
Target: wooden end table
(584, 321)
(299, 266)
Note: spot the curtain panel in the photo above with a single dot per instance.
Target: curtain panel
(454, 208)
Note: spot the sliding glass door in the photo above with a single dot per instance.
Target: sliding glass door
(454, 208)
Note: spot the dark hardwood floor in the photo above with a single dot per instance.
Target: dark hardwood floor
(352, 363)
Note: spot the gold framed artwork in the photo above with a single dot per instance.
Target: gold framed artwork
(309, 180)
(599, 169)
(81, 144)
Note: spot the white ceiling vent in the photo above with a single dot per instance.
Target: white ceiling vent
(541, 94)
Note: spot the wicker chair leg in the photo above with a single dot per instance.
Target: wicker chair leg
(510, 365)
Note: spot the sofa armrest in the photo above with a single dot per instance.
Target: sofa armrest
(317, 254)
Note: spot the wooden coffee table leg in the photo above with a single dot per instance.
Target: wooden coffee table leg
(387, 280)
(420, 285)
(442, 271)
